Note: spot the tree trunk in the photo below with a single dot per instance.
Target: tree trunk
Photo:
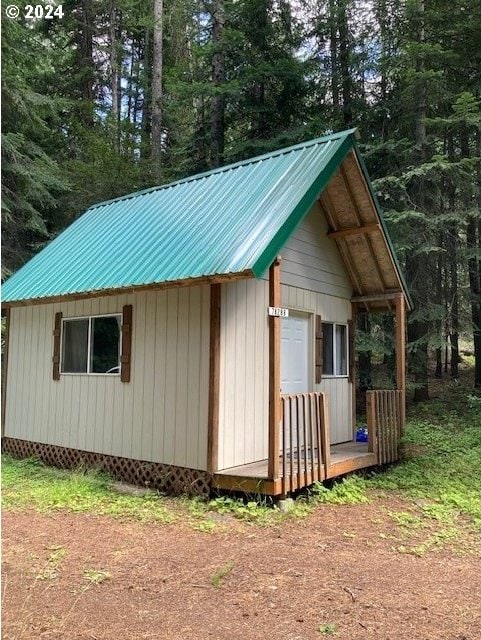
(473, 242)
(218, 79)
(417, 264)
(146, 122)
(86, 63)
(438, 371)
(260, 120)
(334, 55)
(453, 276)
(156, 142)
(452, 255)
(344, 54)
(114, 75)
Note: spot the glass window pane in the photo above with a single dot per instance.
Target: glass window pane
(327, 349)
(105, 345)
(75, 346)
(341, 350)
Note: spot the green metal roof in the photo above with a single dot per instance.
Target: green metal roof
(227, 221)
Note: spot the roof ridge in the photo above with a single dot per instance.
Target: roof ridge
(228, 167)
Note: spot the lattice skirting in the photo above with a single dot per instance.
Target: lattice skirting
(163, 477)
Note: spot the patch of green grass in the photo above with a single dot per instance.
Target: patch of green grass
(52, 567)
(350, 490)
(218, 577)
(96, 576)
(206, 526)
(441, 469)
(30, 484)
(407, 519)
(433, 542)
(251, 511)
(328, 629)
(258, 512)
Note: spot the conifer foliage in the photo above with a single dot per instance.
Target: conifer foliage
(120, 95)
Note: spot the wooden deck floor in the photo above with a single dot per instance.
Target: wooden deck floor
(346, 457)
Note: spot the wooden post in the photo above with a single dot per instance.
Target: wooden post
(352, 365)
(6, 315)
(325, 434)
(371, 424)
(214, 378)
(401, 355)
(274, 370)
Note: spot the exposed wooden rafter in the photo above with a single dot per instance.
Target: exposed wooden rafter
(327, 208)
(353, 231)
(377, 297)
(366, 238)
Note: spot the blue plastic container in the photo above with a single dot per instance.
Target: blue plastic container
(361, 434)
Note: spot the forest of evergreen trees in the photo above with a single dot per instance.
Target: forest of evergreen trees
(119, 95)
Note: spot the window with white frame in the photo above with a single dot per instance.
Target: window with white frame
(334, 349)
(91, 344)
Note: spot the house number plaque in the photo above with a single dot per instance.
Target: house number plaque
(279, 312)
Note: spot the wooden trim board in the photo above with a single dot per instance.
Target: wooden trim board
(214, 379)
(188, 282)
(274, 370)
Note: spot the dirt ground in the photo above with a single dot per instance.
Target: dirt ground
(337, 573)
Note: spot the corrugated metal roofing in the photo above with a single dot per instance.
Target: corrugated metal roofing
(230, 220)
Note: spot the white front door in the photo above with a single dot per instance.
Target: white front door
(295, 353)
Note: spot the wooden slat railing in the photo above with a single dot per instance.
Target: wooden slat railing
(305, 447)
(384, 423)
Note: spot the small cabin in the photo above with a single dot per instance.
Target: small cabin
(201, 335)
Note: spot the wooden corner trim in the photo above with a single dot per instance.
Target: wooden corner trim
(274, 371)
(214, 379)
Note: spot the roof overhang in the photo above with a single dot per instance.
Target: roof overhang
(155, 286)
(359, 231)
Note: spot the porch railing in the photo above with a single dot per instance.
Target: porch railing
(384, 423)
(305, 447)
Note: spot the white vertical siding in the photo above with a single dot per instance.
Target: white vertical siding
(244, 376)
(310, 260)
(338, 390)
(160, 415)
(314, 280)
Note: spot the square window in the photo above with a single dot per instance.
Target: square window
(91, 345)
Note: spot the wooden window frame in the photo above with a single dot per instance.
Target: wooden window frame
(318, 342)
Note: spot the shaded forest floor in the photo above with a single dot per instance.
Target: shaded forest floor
(337, 572)
(390, 555)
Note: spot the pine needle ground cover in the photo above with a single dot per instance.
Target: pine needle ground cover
(391, 553)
